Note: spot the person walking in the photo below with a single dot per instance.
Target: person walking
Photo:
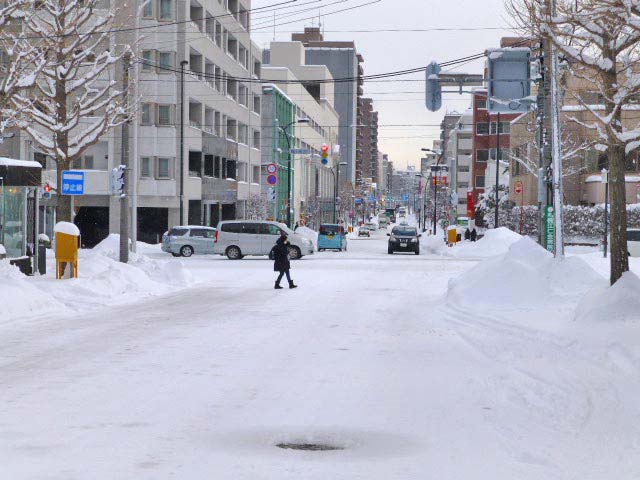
(281, 261)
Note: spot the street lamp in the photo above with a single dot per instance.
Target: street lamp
(422, 209)
(289, 190)
(435, 186)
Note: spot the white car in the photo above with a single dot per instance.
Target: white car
(239, 238)
(633, 242)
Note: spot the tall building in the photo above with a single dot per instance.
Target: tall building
(459, 158)
(367, 142)
(344, 62)
(299, 92)
(218, 168)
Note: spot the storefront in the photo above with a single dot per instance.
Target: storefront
(20, 181)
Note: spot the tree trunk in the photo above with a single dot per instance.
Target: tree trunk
(618, 243)
(63, 207)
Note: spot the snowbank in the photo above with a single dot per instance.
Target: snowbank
(2, 250)
(102, 281)
(494, 242)
(618, 303)
(19, 296)
(526, 277)
(306, 232)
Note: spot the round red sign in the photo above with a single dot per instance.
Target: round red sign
(519, 187)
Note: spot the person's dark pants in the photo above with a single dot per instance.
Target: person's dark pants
(282, 274)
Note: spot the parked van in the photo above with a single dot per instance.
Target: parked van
(187, 240)
(633, 242)
(383, 220)
(238, 238)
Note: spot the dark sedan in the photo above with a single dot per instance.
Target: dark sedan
(404, 239)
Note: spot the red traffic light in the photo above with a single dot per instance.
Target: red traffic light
(325, 149)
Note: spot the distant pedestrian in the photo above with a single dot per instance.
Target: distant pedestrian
(281, 261)
(474, 234)
(467, 234)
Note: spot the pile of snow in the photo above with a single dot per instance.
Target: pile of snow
(618, 303)
(526, 277)
(494, 242)
(2, 250)
(434, 245)
(68, 228)
(19, 296)
(306, 232)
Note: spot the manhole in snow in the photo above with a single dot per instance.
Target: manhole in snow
(309, 447)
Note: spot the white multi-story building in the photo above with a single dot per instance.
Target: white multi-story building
(309, 90)
(460, 158)
(217, 169)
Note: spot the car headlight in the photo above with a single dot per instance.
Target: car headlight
(413, 240)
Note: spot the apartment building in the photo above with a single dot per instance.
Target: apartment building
(308, 90)
(459, 158)
(343, 62)
(367, 142)
(217, 169)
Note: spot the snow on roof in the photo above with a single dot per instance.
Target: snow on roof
(12, 162)
(598, 178)
(67, 228)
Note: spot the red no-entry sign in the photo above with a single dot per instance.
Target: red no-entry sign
(519, 187)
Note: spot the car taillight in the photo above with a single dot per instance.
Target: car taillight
(216, 237)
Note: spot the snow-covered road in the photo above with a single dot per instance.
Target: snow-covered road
(366, 355)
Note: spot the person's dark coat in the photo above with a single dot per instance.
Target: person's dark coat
(281, 256)
(467, 234)
(474, 235)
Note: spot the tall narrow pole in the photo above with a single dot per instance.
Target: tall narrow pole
(183, 63)
(497, 212)
(605, 175)
(335, 195)
(556, 149)
(435, 199)
(124, 197)
(289, 190)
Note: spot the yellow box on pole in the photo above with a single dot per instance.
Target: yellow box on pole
(67, 245)
(452, 236)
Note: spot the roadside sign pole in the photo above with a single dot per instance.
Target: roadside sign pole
(605, 180)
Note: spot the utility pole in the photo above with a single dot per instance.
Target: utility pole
(124, 197)
(556, 152)
(497, 212)
(183, 63)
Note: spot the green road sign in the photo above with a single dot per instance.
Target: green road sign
(549, 229)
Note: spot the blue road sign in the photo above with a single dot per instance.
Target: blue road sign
(358, 201)
(405, 197)
(300, 151)
(72, 182)
(372, 198)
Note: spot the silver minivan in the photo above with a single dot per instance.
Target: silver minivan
(189, 240)
(238, 238)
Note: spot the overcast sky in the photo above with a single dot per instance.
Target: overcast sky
(402, 102)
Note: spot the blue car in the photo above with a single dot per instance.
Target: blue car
(332, 237)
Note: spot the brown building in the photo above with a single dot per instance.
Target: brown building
(367, 165)
(583, 159)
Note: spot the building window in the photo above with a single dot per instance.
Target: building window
(463, 185)
(256, 139)
(164, 115)
(148, 60)
(479, 181)
(166, 9)
(145, 167)
(505, 127)
(504, 154)
(482, 128)
(463, 168)
(88, 162)
(481, 104)
(482, 156)
(165, 62)
(164, 167)
(147, 10)
(145, 114)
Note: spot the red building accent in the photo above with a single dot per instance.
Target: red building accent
(485, 141)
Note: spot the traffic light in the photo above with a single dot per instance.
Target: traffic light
(325, 154)
(434, 89)
(117, 180)
(46, 191)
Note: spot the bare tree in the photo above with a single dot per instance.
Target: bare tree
(74, 101)
(601, 39)
(257, 206)
(19, 63)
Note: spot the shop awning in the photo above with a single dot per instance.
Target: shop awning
(20, 173)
